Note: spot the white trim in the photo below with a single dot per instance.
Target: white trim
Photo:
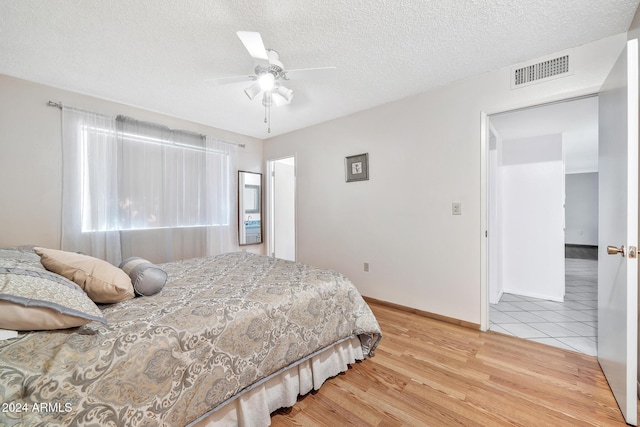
(484, 250)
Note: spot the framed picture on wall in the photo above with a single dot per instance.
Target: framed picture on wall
(357, 167)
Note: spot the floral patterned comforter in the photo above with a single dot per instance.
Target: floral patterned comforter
(219, 325)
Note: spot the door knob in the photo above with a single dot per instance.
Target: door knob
(613, 250)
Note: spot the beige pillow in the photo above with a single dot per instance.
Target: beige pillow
(102, 281)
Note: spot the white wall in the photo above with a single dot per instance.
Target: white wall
(30, 157)
(531, 217)
(581, 209)
(424, 154)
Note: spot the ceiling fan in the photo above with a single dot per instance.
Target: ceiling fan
(269, 74)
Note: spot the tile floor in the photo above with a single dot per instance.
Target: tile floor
(571, 324)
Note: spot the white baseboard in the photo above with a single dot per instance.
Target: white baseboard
(534, 295)
(498, 299)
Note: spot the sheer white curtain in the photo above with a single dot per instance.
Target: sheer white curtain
(223, 169)
(165, 194)
(162, 177)
(88, 190)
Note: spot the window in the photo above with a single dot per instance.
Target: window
(144, 176)
(121, 174)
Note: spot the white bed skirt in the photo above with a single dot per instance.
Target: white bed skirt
(254, 406)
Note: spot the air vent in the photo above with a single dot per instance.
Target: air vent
(540, 71)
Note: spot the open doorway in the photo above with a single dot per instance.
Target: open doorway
(542, 185)
(281, 196)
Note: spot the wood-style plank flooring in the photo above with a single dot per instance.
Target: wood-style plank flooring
(431, 373)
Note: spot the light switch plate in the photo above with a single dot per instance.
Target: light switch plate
(456, 208)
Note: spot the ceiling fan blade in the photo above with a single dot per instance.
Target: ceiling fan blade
(252, 41)
(229, 80)
(302, 73)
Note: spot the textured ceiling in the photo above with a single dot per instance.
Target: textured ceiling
(160, 55)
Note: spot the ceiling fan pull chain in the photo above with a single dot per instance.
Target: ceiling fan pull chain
(266, 101)
(269, 125)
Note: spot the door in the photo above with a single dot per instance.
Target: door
(618, 227)
(282, 211)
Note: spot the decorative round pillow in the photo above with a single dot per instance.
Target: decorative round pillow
(147, 278)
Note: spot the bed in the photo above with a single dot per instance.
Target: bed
(228, 340)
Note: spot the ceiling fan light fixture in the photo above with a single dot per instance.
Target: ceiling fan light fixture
(267, 81)
(278, 100)
(253, 90)
(284, 92)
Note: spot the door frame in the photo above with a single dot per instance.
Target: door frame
(484, 196)
(270, 208)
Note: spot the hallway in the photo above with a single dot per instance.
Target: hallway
(572, 324)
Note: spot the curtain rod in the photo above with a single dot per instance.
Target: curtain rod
(59, 105)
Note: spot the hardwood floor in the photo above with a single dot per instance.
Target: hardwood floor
(430, 373)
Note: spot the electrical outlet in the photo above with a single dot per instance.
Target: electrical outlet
(456, 208)
(366, 266)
